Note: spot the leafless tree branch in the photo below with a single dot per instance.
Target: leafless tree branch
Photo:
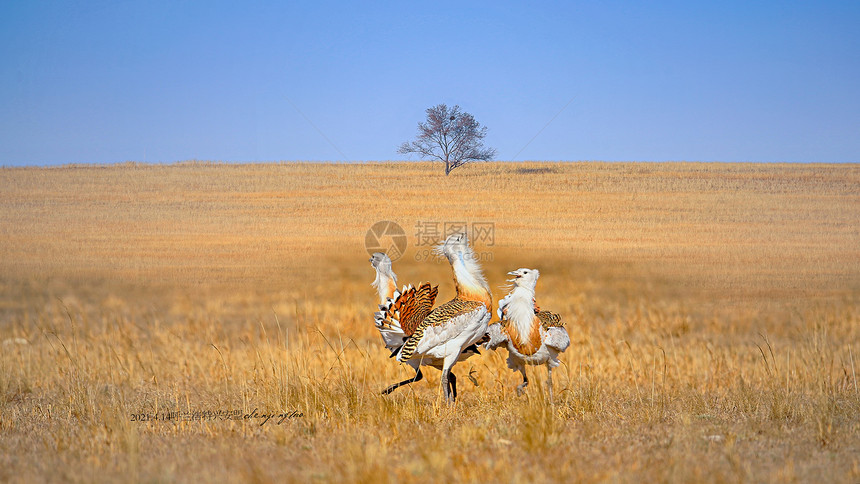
(450, 136)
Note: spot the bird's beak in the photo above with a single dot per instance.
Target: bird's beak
(515, 274)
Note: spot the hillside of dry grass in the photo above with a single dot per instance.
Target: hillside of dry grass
(713, 311)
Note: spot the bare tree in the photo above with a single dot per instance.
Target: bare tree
(450, 136)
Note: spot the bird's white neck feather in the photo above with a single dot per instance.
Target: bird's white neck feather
(521, 311)
(385, 283)
(468, 273)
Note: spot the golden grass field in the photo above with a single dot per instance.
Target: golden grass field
(714, 313)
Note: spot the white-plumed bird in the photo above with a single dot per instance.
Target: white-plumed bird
(401, 312)
(532, 337)
(448, 332)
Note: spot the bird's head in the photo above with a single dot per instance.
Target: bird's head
(380, 262)
(526, 278)
(455, 246)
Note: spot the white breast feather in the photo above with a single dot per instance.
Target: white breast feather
(503, 303)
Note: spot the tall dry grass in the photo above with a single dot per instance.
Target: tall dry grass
(713, 313)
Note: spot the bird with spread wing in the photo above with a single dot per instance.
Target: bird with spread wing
(400, 314)
(448, 333)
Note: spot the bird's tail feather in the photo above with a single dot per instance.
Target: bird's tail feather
(406, 309)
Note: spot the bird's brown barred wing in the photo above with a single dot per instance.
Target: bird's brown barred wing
(408, 308)
(441, 315)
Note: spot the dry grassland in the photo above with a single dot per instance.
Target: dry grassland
(714, 313)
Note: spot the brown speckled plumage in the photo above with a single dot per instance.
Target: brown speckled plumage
(438, 316)
(549, 320)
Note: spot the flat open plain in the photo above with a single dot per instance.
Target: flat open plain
(152, 316)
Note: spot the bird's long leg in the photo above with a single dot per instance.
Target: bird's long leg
(446, 387)
(549, 382)
(521, 388)
(418, 377)
(449, 381)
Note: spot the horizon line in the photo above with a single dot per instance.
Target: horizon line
(194, 161)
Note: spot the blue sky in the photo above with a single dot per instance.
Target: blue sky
(105, 82)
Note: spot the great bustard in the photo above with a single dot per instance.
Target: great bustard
(532, 336)
(401, 312)
(448, 331)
